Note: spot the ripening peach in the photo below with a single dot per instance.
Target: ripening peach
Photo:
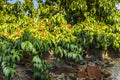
(68, 26)
(18, 34)
(54, 8)
(99, 27)
(42, 33)
(4, 34)
(40, 29)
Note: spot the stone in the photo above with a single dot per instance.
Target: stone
(81, 74)
(94, 72)
(116, 72)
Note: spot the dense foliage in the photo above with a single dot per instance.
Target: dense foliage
(68, 27)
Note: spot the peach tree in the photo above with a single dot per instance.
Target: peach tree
(68, 27)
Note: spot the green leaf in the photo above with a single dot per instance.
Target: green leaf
(36, 59)
(16, 58)
(27, 46)
(70, 54)
(74, 56)
(80, 57)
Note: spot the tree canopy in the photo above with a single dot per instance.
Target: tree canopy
(74, 11)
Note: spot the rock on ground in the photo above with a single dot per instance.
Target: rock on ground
(116, 71)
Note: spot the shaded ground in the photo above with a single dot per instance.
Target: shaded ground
(71, 71)
(90, 68)
(23, 73)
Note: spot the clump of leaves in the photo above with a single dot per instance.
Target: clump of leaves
(40, 67)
